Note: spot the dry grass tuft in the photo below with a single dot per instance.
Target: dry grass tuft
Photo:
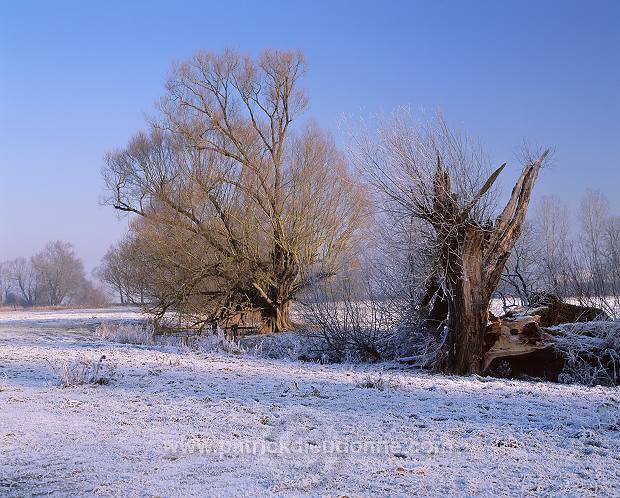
(83, 371)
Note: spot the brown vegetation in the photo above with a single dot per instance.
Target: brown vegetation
(239, 210)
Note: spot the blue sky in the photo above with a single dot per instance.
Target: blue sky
(77, 79)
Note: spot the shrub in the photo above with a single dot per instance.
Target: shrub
(83, 371)
(212, 343)
(127, 332)
(591, 352)
(370, 382)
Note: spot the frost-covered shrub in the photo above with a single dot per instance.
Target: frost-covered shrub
(127, 332)
(300, 345)
(213, 343)
(416, 343)
(372, 382)
(143, 333)
(580, 371)
(351, 316)
(350, 329)
(83, 371)
(367, 316)
(591, 352)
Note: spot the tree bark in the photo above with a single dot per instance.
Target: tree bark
(468, 304)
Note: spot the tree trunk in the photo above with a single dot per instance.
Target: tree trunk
(466, 324)
(277, 297)
(468, 304)
(275, 318)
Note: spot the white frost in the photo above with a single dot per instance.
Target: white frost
(174, 423)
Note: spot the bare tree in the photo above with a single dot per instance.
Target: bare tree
(521, 279)
(88, 294)
(25, 280)
(612, 252)
(579, 261)
(437, 176)
(59, 272)
(352, 315)
(594, 217)
(110, 271)
(593, 262)
(552, 231)
(121, 268)
(5, 281)
(252, 210)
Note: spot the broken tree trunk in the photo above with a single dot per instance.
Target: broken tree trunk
(468, 303)
(472, 257)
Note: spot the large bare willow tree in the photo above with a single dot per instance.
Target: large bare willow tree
(242, 209)
(430, 173)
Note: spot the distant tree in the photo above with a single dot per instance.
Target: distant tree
(521, 279)
(25, 280)
(87, 294)
(594, 219)
(13, 299)
(594, 275)
(59, 272)
(5, 282)
(138, 269)
(579, 261)
(551, 226)
(124, 269)
(113, 272)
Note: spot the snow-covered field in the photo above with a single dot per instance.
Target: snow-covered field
(173, 423)
(68, 318)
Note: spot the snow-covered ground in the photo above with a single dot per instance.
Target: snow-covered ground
(68, 318)
(173, 423)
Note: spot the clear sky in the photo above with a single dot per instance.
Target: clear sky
(77, 78)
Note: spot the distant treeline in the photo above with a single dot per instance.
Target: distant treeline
(54, 276)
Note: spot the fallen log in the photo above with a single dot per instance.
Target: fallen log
(518, 346)
(553, 311)
(584, 352)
